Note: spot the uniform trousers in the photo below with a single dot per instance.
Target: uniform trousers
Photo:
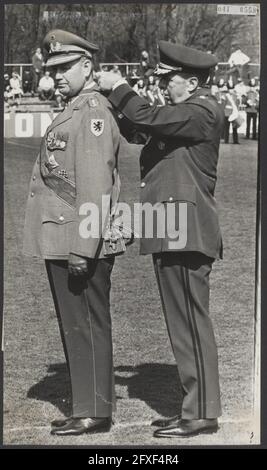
(183, 282)
(83, 311)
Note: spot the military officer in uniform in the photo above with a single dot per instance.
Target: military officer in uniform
(77, 164)
(179, 164)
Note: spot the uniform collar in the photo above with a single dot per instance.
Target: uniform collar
(200, 92)
(76, 103)
(87, 89)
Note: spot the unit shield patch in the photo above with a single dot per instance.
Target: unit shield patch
(97, 126)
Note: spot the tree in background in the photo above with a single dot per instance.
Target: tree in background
(124, 30)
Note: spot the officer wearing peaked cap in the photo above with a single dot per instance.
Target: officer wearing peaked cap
(184, 59)
(77, 165)
(63, 47)
(179, 170)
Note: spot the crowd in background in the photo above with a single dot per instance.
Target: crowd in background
(235, 98)
(234, 92)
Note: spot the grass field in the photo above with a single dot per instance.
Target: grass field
(36, 386)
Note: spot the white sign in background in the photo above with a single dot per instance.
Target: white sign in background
(27, 124)
(35, 124)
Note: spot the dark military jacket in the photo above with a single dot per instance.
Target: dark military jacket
(179, 164)
(77, 164)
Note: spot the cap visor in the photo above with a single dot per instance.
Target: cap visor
(61, 59)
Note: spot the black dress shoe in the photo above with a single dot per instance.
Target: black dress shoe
(57, 423)
(188, 428)
(77, 426)
(163, 422)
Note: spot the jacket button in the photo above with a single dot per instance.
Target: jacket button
(170, 198)
(61, 218)
(34, 178)
(143, 184)
(32, 194)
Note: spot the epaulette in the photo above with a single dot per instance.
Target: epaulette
(93, 101)
(206, 102)
(90, 98)
(80, 102)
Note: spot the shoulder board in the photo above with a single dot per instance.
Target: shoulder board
(207, 102)
(93, 101)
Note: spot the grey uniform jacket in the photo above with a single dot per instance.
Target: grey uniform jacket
(77, 164)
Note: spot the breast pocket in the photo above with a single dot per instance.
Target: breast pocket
(58, 223)
(58, 213)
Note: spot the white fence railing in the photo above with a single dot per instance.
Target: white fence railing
(127, 68)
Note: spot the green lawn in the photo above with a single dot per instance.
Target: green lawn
(36, 383)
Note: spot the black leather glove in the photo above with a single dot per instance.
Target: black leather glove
(77, 265)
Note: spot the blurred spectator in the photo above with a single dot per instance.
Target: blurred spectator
(237, 61)
(46, 88)
(6, 82)
(150, 93)
(37, 66)
(60, 103)
(230, 104)
(27, 81)
(140, 88)
(144, 61)
(252, 108)
(241, 90)
(216, 73)
(146, 67)
(257, 87)
(153, 92)
(220, 92)
(214, 87)
(150, 89)
(211, 79)
(15, 87)
(116, 69)
(134, 73)
(7, 87)
(159, 93)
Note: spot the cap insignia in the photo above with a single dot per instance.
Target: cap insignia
(55, 46)
(162, 69)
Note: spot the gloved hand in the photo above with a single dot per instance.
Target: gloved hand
(77, 265)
